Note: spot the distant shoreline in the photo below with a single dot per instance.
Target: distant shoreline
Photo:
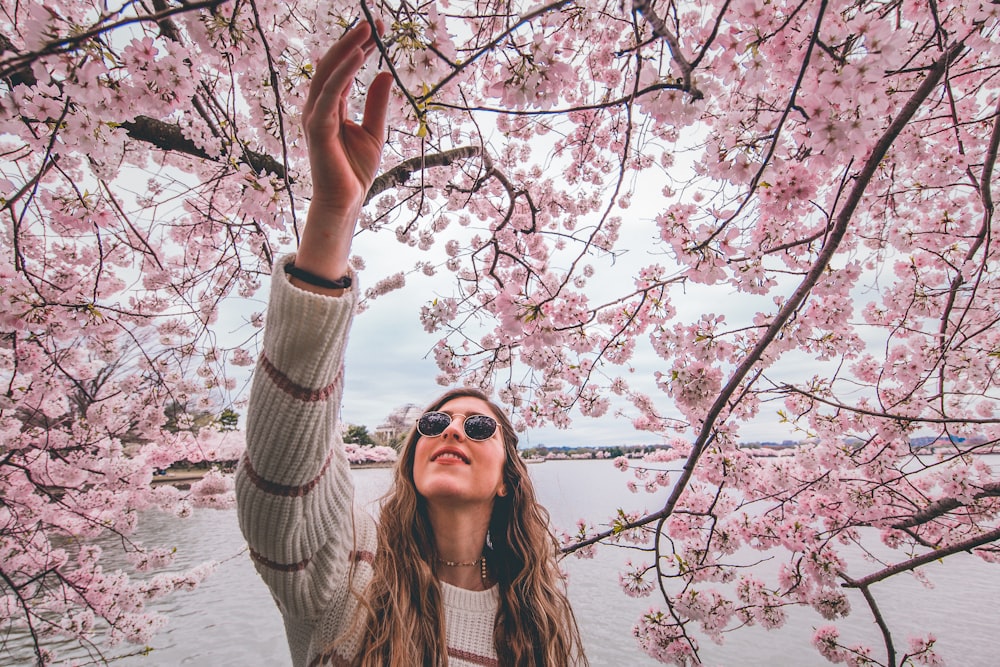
(183, 478)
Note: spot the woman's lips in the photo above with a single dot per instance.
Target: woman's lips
(450, 454)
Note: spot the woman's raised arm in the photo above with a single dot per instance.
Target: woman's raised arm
(293, 486)
(343, 155)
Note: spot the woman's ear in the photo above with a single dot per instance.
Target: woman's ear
(502, 491)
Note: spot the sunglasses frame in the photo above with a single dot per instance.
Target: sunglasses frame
(465, 424)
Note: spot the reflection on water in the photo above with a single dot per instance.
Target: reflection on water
(231, 620)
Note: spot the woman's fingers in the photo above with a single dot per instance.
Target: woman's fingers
(330, 103)
(358, 37)
(374, 122)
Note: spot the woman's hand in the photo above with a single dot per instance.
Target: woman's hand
(343, 155)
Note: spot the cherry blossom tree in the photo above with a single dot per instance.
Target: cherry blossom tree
(370, 453)
(828, 162)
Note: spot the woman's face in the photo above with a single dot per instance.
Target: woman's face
(453, 469)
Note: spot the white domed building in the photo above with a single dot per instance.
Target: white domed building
(393, 430)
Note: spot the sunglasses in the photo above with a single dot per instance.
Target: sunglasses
(477, 427)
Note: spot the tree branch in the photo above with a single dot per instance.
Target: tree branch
(930, 557)
(401, 173)
(985, 183)
(883, 627)
(945, 505)
(170, 137)
(883, 414)
(660, 29)
(13, 66)
(467, 62)
(837, 232)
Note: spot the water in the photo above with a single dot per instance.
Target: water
(960, 610)
(231, 620)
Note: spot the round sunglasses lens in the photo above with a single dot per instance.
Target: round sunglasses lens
(433, 424)
(480, 427)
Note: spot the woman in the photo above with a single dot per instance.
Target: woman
(460, 568)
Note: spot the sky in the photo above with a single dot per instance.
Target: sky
(390, 363)
(389, 360)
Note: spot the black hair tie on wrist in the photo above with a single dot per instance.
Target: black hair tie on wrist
(316, 281)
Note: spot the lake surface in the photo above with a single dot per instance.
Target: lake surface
(231, 620)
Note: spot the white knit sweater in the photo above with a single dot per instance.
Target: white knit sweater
(310, 543)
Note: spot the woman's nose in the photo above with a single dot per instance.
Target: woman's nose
(456, 429)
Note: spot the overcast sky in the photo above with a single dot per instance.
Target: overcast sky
(389, 360)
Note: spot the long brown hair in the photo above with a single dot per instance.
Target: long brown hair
(404, 623)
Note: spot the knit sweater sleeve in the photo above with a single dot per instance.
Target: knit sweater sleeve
(293, 486)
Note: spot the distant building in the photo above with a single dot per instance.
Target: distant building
(395, 427)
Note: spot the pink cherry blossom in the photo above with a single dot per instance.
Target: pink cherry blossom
(693, 222)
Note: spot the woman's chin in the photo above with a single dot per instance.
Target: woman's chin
(445, 493)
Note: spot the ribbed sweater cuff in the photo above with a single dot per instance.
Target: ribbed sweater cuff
(303, 344)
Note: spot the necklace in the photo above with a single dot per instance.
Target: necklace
(481, 562)
(455, 563)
